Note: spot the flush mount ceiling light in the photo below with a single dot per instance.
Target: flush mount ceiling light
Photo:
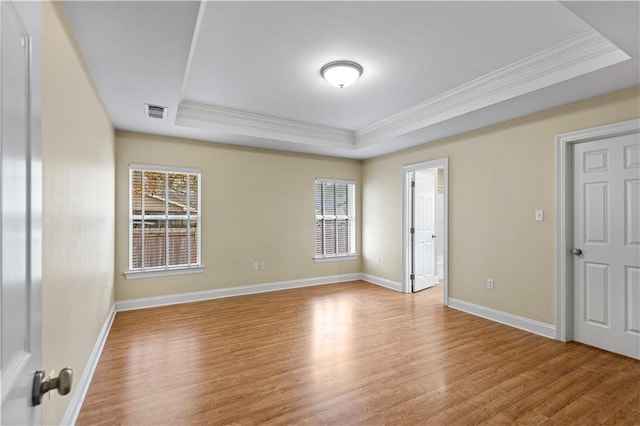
(341, 73)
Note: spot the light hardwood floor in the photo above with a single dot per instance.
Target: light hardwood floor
(350, 353)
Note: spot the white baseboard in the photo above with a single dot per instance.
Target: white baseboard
(526, 324)
(172, 299)
(77, 399)
(381, 282)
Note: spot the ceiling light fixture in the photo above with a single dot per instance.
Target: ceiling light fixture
(341, 73)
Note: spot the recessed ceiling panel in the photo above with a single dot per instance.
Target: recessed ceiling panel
(265, 57)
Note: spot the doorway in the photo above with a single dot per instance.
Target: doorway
(598, 300)
(425, 226)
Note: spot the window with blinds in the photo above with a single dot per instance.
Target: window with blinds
(335, 218)
(164, 218)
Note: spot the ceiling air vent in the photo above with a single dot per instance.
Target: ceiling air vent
(155, 111)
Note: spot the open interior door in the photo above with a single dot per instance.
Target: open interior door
(423, 227)
(20, 217)
(606, 243)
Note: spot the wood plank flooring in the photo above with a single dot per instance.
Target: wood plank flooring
(348, 354)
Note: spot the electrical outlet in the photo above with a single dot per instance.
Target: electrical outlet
(539, 215)
(490, 284)
(261, 265)
(255, 266)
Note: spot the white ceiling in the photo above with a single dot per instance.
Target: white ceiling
(248, 73)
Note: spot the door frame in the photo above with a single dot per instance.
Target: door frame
(441, 163)
(564, 207)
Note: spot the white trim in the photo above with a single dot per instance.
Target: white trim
(197, 30)
(564, 202)
(330, 180)
(172, 299)
(170, 169)
(582, 54)
(442, 163)
(440, 265)
(526, 324)
(383, 282)
(203, 116)
(151, 273)
(77, 399)
(335, 258)
(130, 215)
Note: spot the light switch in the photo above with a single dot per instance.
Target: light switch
(539, 215)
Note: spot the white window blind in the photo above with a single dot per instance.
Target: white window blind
(164, 218)
(335, 218)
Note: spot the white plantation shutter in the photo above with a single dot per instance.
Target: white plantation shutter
(164, 212)
(335, 218)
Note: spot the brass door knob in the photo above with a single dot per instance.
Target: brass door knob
(42, 384)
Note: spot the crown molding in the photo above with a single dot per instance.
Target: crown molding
(194, 114)
(580, 55)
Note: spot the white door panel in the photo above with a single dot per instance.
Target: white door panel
(596, 293)
(632, 213)
(596, 200)
(20, 313)
(424, 231)
(632, 296)
(606, 228)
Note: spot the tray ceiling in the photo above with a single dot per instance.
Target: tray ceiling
(248, 73)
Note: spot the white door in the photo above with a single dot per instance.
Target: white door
(606, 230)
(424, 274)
(20, 258)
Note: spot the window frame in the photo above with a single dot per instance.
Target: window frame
(351, 218)
(165, 270)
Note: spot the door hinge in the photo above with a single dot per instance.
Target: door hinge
(412, 277)
(412, 230)
(413, 183)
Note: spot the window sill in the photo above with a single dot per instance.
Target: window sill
(152, 273)
(335, 258)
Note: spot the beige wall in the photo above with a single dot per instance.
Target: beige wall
(78, 208)
(257, 205)
(498, 176)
